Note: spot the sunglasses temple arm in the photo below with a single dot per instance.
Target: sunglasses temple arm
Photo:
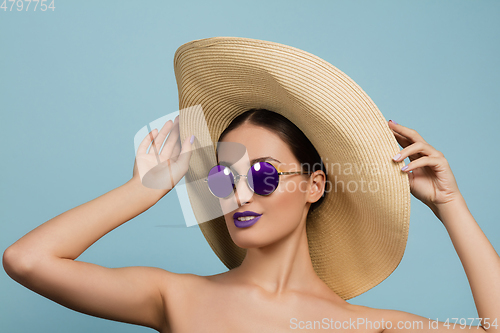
(294, 172)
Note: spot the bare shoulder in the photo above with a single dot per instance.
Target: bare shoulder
(186, 279)
(365, 310)
(181, 289)
(367, 319)
(183, 294)
(388, 320)
(180, 284)
(374, 314)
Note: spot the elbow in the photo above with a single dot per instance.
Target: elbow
(16, 262)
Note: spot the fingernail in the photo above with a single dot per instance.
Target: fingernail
(395, 158)
(404, 168)
(192, 139)
(394, 122)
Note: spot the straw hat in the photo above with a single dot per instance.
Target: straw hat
(357, 236)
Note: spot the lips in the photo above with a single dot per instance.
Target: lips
(245, 224)
(245, 213)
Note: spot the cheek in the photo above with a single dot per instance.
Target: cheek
(286, 205)
(282, 210)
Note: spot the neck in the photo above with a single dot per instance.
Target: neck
(282, 266)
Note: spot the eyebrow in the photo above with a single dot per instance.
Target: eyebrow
(255, 160)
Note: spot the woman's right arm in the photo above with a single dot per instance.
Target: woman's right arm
(44, 260)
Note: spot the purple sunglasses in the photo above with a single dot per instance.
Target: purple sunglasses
(262, 178)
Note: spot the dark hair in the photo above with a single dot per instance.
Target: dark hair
(299, 144)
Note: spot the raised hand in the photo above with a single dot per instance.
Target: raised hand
(163, 169)
(431, 179)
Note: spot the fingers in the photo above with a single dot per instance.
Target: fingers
(172, 139)
(403, 141)
(406, 132)
(143, 147)
(434, 162)
(176, 151)
(158, 140)
(417, 150)
(185, 154)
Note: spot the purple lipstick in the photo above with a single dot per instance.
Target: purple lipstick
(248, 218)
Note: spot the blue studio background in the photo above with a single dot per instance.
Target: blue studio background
(78, 82)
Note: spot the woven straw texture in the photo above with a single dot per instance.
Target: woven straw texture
(358, 235)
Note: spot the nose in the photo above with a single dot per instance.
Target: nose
(243, 192)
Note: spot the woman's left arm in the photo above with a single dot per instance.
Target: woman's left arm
(479, 259)
(433, 183)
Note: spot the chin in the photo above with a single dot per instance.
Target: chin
(248, 243)
(251, 237)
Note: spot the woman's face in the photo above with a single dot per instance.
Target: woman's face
(284, 209)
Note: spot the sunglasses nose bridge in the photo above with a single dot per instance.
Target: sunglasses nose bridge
(242, 188)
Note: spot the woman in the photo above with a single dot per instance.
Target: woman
(276, 286)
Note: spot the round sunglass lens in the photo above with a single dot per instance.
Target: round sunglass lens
(264, 178)
(220, 181)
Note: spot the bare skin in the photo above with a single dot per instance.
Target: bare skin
(275, 289)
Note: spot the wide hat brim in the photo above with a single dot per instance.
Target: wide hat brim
(358, 235)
